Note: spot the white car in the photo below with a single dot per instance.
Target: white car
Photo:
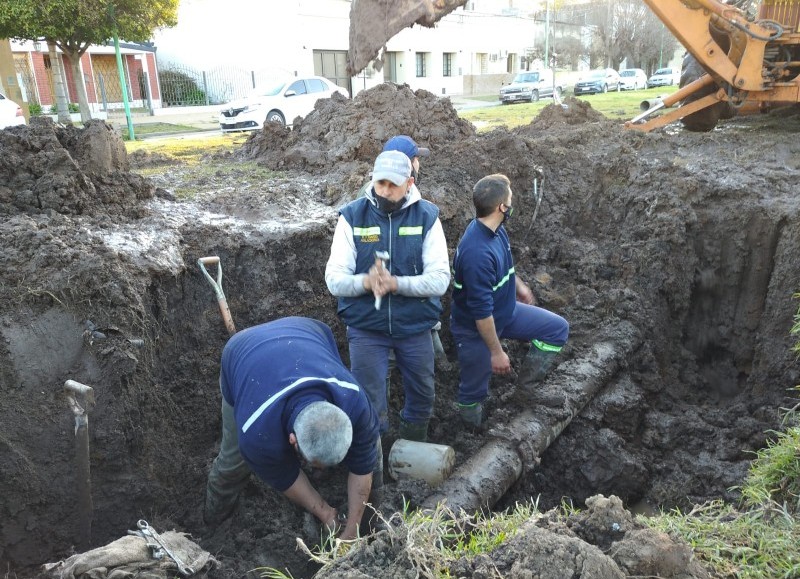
(279, 103)
(10, 113)
(632, 79)
(664, 77)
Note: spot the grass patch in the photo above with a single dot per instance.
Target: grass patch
(614, 105)
(147, 129)
(189, 150)
(752, 544)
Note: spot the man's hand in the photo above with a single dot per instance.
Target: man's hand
(334, 524)
(524, 293)
(500, 363)
(379, 280)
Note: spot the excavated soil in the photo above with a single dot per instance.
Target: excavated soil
(691, 239)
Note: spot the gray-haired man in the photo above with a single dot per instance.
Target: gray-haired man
(287, 396)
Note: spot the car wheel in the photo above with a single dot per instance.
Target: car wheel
(275, 116)
(619, 88)
(559, 92)
(605, 88)
(534, 96)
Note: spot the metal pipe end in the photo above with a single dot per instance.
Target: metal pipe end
(648, 104)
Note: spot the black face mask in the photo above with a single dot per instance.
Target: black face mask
(508, 213)
(389, 206)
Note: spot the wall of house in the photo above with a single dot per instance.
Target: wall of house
(273, 40)
(33, 66)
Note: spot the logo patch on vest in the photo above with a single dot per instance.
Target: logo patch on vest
(368, 234)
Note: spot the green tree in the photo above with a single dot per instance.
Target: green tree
(74, 25)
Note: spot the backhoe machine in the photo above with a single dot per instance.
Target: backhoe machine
(735, 62)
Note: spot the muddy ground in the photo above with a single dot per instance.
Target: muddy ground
(691, 239)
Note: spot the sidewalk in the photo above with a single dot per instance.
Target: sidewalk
(199, 118)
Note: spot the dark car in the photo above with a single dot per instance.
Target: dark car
(595, 81)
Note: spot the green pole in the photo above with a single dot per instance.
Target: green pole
(124, 87)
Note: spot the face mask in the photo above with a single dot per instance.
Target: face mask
(415, 174)
(389, 206)
(507, 213)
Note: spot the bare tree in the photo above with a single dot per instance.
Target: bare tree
(623, 30)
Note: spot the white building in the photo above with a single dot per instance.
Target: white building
(471, 51)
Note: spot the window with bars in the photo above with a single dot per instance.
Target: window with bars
(447, 63)
(421, 64)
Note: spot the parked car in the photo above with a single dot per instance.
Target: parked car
(280, 103)
(664, 77)
(530, 86)
(633, 79)
(10, 113)
(601, 80)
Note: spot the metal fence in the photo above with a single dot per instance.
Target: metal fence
(187, 86)
(26, 81)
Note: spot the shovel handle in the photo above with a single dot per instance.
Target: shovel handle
(217, 285)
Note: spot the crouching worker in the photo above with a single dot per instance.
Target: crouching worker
(491, 303)
(287, 397)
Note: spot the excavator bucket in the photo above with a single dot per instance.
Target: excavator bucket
(374, 22)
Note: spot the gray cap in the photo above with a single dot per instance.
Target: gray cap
(393, 166)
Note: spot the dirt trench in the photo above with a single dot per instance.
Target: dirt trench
(690, 238)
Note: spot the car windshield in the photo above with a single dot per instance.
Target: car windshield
(597, 74)
(664, 71)
(268, 90)
(527, 77)
(628, 73)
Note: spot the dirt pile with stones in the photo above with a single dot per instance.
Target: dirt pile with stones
(689, 238)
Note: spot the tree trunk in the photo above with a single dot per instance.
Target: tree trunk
(83, 99)
(517, 447)
(57, 74)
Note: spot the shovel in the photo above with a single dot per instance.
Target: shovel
(217, 285)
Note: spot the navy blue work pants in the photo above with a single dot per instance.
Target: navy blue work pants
(475, 361)
(369, 363)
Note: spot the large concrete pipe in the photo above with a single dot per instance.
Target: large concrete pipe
(517, 446)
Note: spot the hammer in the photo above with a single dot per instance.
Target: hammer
(384, 257)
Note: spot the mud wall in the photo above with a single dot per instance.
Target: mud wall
(651, 230)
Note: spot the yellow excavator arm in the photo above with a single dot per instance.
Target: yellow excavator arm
(749, 63)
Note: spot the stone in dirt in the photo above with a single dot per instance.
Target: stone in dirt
(690, 238)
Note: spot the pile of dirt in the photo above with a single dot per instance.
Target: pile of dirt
(691, 239)
(68, 170)
(342, 137)
(602, 542)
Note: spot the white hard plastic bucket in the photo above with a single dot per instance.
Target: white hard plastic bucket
(432, 463)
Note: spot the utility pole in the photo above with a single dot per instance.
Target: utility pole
(547, 34)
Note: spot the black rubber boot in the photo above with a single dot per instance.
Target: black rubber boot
(472, 415)
(416, 431)
(218, 508)
(536, 366)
